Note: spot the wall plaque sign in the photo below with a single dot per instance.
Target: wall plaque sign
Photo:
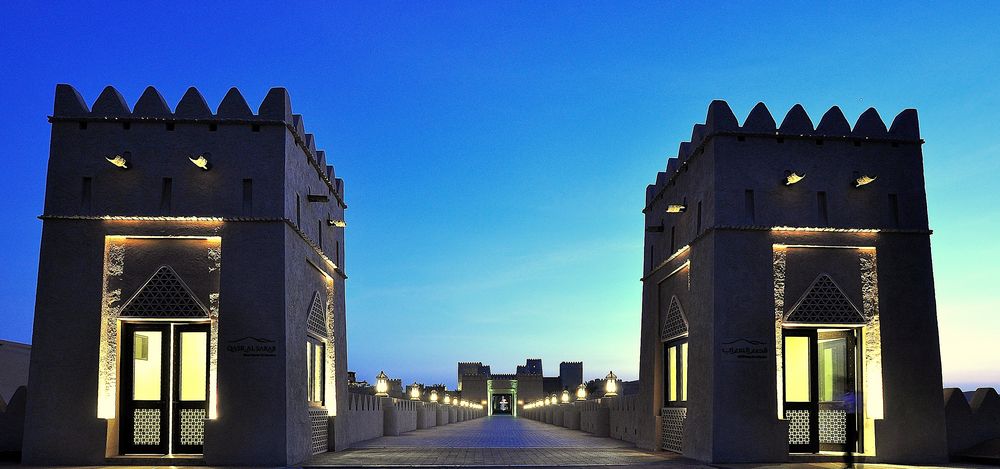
(252, 347)
(745, 349)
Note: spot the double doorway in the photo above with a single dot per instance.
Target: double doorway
(822, 382)
(165, 388)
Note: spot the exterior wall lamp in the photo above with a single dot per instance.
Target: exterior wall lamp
(676, 208)
(581, 392)
(415, 392)
(382, 385)
(864, 180)
(118, 160)
(565, 396)
(611, 385)
(201, 161)
(434, 395)
(337, 223)
(793, 178)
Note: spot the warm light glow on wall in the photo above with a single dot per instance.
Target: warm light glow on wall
(794, 178)
(331, 349)
(114, 267)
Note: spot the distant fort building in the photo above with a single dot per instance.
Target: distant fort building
(788, 297)
(191, 286)
(478, 384)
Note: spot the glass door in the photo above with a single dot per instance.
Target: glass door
(145, 391)
(821, 398)
(190, 388)
(801, 406)
(164, 401)
(838, 397)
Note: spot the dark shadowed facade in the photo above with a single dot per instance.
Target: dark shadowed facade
(788, 295)
(191, 289)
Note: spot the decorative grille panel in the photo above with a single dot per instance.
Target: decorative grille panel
(146, 427)
(825, 303)
(798, 426)
(318, 424)
(833, 426)
(317, 317)
(673, 428)
(193, 427)
(164, 296)
(674, 324)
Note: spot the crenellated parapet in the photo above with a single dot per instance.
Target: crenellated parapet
(233, 110)
(796, 125)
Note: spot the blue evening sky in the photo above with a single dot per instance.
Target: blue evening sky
(496, 153)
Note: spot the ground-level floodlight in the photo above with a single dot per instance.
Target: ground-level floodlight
(611, 384)
(565, 396)
(382, 385)
(434, 395)
(415, 392)
(581, 392)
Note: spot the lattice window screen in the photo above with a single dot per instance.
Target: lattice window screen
(146, 427)
(318, 435)
(164, 295)
(193, 426)
(317, 317)
(675, 323)
(825, 303)
(833, 426)
(798, 426)
(673, 428)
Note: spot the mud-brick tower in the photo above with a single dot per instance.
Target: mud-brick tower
(788, 307)
(191, 286)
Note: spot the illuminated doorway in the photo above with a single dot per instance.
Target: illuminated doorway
(164, 400)
(822, 403)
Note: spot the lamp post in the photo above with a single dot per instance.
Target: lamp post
(382, 385)
(611, 385)
(447, 399)
(565, 396)
(581, 392)
(434, 395)
(415, 392)
(546, 400)
(555, 399)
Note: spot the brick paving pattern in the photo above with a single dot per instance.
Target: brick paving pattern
(492, 441)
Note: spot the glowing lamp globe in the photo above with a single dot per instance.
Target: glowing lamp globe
(434, 395)
(382, 385)
(581, 392)
(565, 396)
(415, 392)
(611, 384)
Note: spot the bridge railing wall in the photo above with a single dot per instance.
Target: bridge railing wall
(370, 417)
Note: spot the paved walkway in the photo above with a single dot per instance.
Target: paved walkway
(493, 441)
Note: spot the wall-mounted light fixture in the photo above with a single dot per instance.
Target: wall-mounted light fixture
(676, 208)
(201, 161)
(337, 223)
(610, 384)
(581, 392)
(118, 160)
(382, 385)
(793, 178)
(864, 180)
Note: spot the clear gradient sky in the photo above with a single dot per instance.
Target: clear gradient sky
(496, 154)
